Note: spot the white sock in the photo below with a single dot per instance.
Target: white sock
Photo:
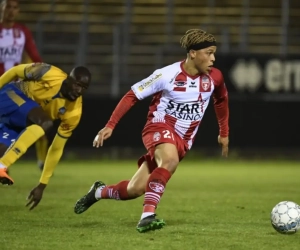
(2, 166)
(98, 192)
(144, 215)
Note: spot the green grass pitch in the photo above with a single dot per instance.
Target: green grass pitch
(208, 205)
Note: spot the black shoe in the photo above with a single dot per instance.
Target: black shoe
(150, 223)
(89, 199)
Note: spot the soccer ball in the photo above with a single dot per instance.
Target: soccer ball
(285, 217)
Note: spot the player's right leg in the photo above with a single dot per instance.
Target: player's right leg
(124, 190)
(165, 149)
(18, 110)
(167, 159)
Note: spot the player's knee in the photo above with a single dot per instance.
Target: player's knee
(136, 188)
(170, 163)
(166, 156)
(46, 125)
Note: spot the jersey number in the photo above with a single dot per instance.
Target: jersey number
(168, 134)
(6, 135)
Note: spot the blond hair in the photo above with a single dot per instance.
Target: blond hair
(194, 36)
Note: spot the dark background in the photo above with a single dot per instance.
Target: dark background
(124, 41)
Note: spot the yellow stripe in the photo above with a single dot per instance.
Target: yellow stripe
(15, 98)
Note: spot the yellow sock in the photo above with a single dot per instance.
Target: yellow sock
(41, 147)
(29, 136)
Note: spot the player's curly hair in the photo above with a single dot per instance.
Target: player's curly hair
(194, 36)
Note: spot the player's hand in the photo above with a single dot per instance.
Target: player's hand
(102, 135)
(35, 196)
(224, 141)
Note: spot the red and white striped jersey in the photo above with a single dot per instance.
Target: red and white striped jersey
(13, 42)
(180, 100)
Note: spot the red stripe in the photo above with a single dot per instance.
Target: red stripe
(181, 77)
(170, 120)
(2, 69)
(154, 103)
(191, 129)
(182, 89)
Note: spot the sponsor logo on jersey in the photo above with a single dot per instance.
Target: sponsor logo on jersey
(185, 111)
(205, 84)
(148, 83)
(193, 85)
(12, 52)
(180, 84)
(65, 126)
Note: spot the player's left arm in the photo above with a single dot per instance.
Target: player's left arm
(56, 149)
(220, 97)
(30, 46)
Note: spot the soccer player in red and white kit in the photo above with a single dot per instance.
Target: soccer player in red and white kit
(15, 41)
(181, 93)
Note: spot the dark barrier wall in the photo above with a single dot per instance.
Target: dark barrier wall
(264, 94)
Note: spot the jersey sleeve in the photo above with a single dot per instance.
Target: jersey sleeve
(30, 71)
(150, 85)
(53, 157)
(43, 72)
(220, 90)
(68, 123)
(220, 97)
(36, 71)
(13, 73)
(30, 46)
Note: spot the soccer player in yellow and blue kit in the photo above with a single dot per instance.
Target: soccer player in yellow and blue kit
(43, 94)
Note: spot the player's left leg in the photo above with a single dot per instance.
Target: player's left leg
(124, 190)
(3, 149)
(41, 147)
(17, 110)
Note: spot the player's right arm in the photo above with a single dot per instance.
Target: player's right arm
(30, 71)
(12, 74)
(147, 87)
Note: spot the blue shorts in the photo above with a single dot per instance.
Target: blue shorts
(8, 134)
(14, 106)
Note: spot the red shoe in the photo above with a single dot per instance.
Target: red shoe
(5, 178)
